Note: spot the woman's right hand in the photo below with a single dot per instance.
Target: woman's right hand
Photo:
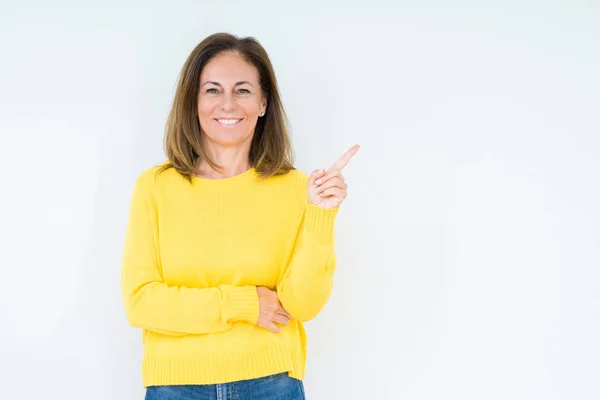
(270, 310)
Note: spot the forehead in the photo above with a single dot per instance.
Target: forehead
(227, 68)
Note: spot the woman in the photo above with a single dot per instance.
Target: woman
(229, 249)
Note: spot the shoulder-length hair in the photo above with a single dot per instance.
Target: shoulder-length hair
(270, 151)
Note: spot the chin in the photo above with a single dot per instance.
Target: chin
(229, 139)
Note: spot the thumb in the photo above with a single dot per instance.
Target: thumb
(316, 174)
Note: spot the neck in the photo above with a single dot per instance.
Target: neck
(231, 160)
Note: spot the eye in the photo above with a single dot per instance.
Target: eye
(212, 90)
(245, 91)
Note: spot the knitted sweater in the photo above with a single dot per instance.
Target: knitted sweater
(194, 255)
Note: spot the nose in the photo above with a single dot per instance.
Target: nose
(228, 102)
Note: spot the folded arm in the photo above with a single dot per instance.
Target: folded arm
(152, 304)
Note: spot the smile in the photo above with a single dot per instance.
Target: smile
(227, 122)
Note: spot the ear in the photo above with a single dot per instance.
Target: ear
(263, 106)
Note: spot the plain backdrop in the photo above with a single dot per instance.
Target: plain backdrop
(469, 245)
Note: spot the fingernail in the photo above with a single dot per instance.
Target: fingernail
(318, 181)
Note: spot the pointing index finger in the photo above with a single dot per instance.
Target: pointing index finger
(345, 159)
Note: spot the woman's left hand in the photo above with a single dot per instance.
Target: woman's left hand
(326, 188)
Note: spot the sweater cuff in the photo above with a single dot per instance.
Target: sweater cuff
(242, 304)
(320, 221)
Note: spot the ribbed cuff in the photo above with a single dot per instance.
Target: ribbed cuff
(320, 221)
(242, 302)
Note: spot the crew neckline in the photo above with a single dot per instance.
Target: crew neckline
(236, 180)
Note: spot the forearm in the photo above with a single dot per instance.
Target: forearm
(307, 288)
(179, 311)
(307, 282)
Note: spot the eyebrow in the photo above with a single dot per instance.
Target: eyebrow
(236, 84)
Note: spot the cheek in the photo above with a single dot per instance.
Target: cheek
(251, 108)
(205, 108)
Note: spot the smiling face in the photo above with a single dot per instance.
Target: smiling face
(230, 101)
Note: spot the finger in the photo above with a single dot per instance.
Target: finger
(345, 159)
(273, 328)
(280, 319)
(334, 191)
(329, 175)
(285, 313)
(333, 182)
(316, 174)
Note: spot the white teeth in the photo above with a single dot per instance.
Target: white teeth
(228, 121)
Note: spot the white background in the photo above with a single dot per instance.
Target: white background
(468, 246)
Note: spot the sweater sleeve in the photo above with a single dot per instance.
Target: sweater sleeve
(152, 304)
(307, 281)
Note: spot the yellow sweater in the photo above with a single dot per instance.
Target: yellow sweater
(194, 255)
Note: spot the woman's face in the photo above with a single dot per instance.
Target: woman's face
(229, 100)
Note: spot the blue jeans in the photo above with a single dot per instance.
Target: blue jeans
(273, 387)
